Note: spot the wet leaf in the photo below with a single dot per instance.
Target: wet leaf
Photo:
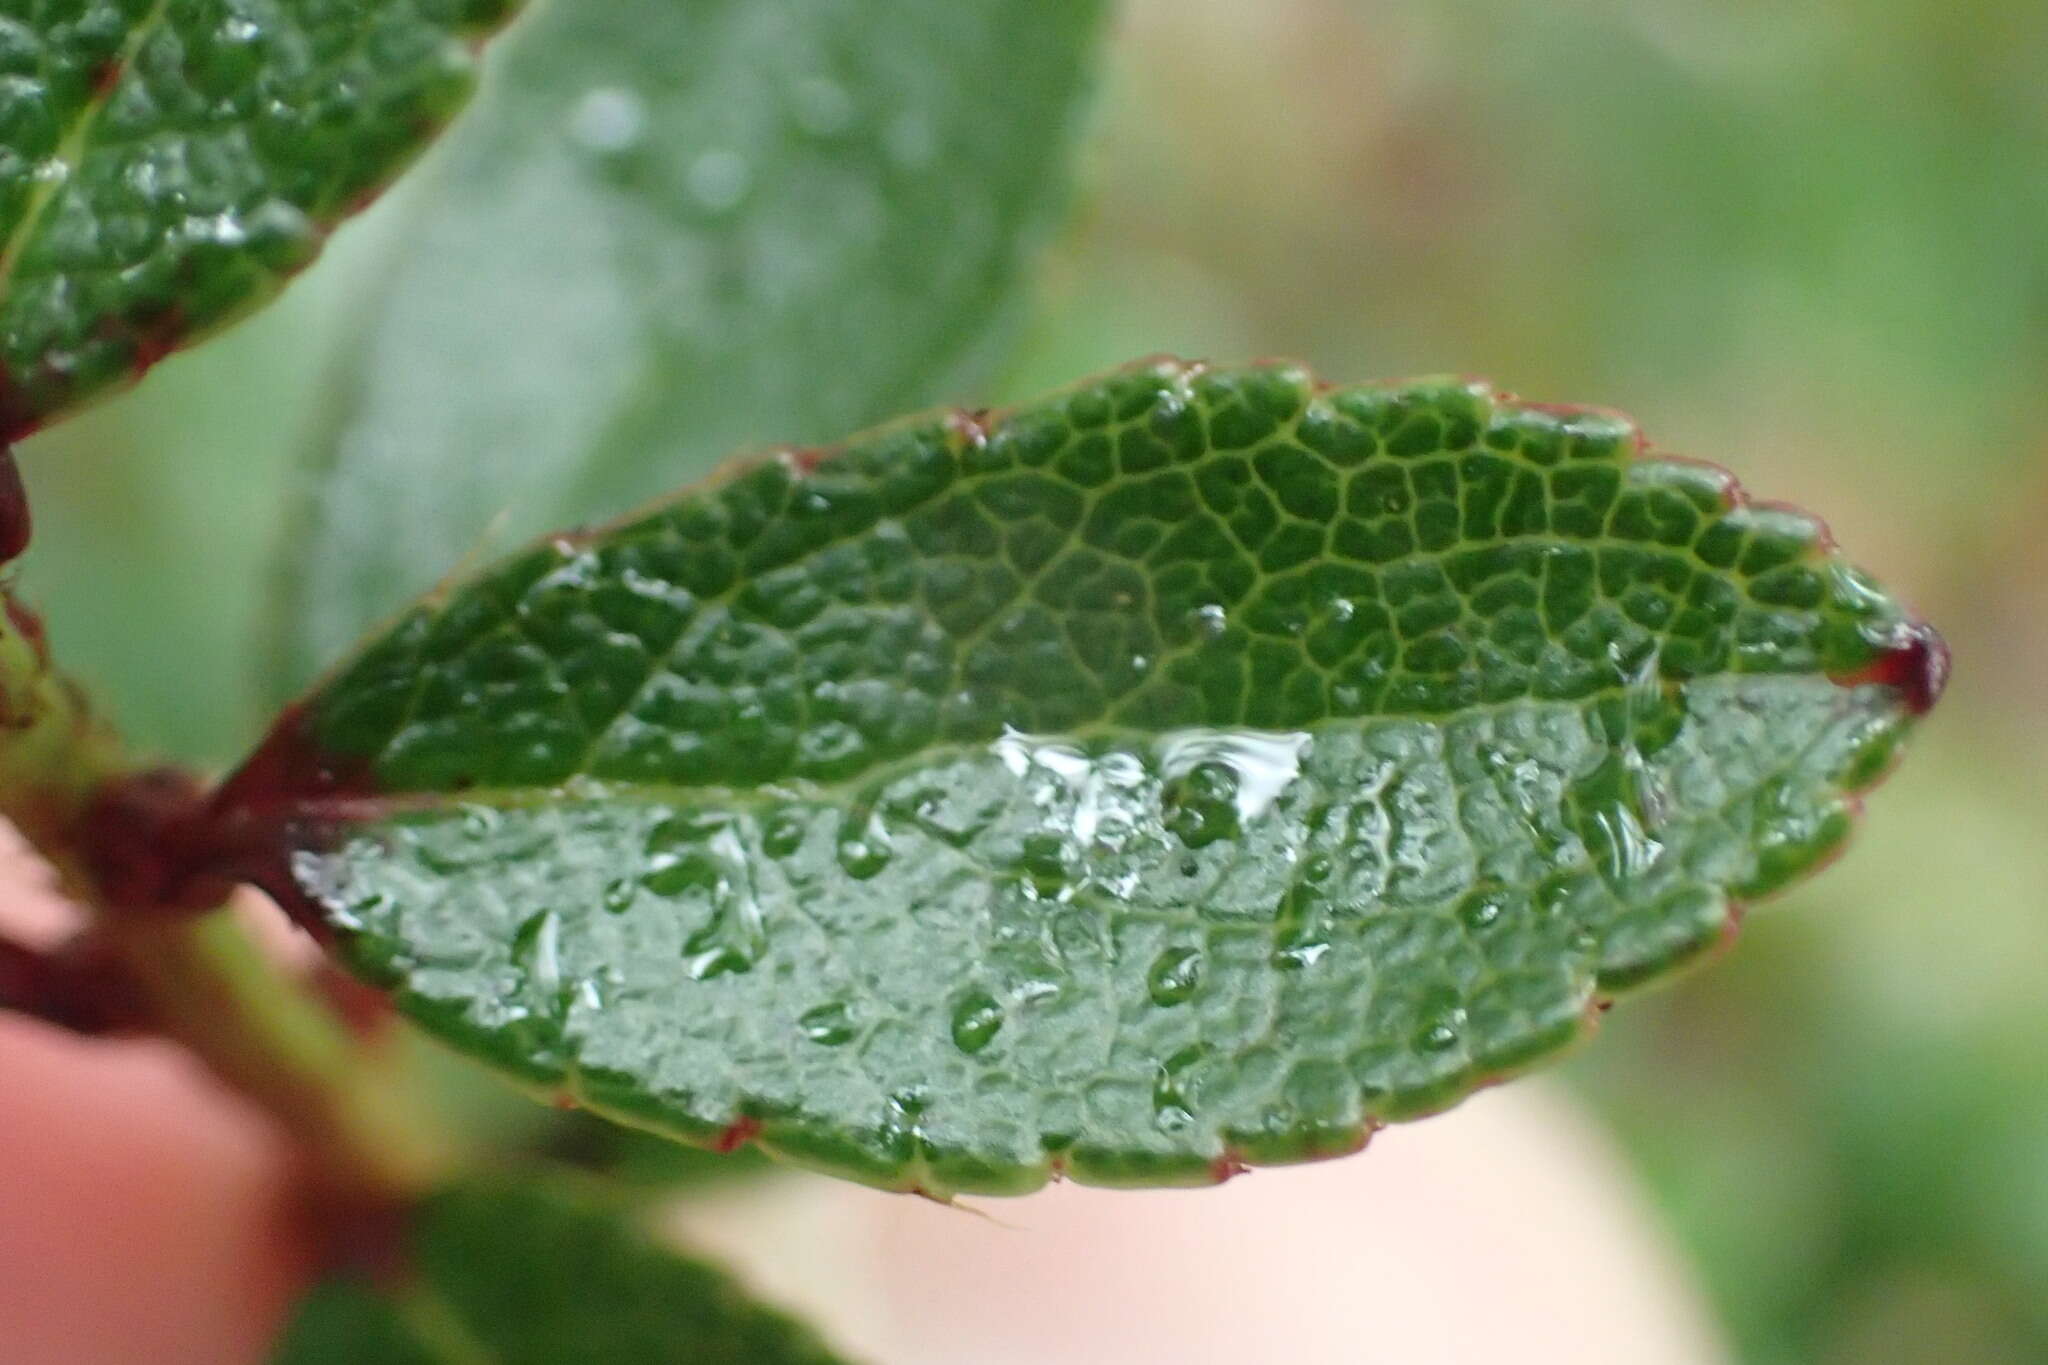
(168, 163)
(513, 1271)
(670, 230)
(1195, 768)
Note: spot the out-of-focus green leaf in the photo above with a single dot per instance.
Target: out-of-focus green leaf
(519, 1272)
(165, 164)
(674, 228)
(1197, 767)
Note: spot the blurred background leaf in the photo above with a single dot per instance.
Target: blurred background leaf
(1804, 239)
(532, 1271)
(668, 232)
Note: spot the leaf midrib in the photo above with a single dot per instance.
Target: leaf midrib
(847, 791)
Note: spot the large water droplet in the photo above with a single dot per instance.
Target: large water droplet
(1173, 1110)
(536, 947)
(1443, 1027)
(1482, 910)
(1300, 950)
(1044, 863)
(1630, 849)
(1217, 781)
(827, 1025)
(618, 895)
(705, 958)
(977, 1018)
(783, 832)
(865, 852)
(1174, 975)
(1201, 804)
(679, 874)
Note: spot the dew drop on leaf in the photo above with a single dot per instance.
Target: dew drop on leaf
(866, 853)
(977, 1018)
(782, 833)
(827, 1025)
(1174, 975)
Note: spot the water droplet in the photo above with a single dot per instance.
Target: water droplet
(1630, 849)
(718, 180)
(1444, 1027)
(1201, 804)
(618, 895)
(1482, 910)
(1343, 608)
(1174, 976)
(703, 962)
(827, 1025)
(1318, 868)
(864, 854)
(1173, 1110)
(678, 874)
(608, 119)
(783, 833)
(1217, 781)
(1210, 619)
(1044, 863)
(977, 1018)
(1299, 952)
(536, 947)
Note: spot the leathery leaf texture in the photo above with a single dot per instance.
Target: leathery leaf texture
(165, 164)
(1196, 768)
(523, 1273)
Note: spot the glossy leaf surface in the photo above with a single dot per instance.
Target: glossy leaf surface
(167, 163)
(513, 1272)
(673, 229)
(1194, 768)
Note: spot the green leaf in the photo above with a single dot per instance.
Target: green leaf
(511, 1271)
(669, 230)
(1195, 768)
(167, 163)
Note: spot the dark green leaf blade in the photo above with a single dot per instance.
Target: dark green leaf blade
(168, 163)
(1195, 768)
(518, 1271)
(673, 229)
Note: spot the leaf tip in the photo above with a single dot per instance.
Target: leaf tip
(1914, 662)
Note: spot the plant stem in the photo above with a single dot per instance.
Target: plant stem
(207, 984)
(362, 1134)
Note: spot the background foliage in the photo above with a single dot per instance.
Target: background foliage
(1803, 238)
